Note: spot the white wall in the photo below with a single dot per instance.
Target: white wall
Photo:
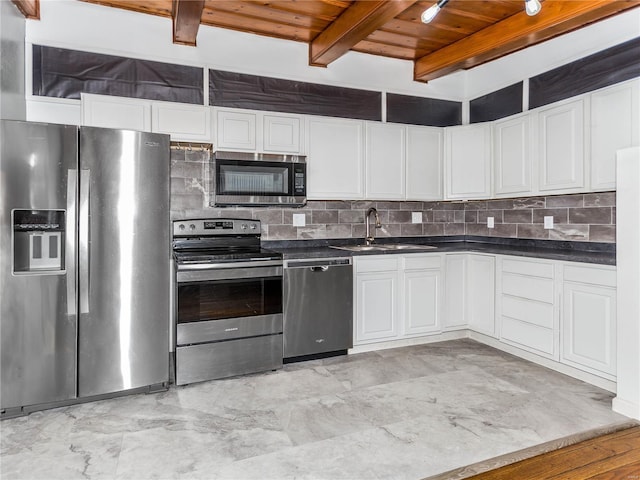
(12, 32)
(82, 26)
(627, 400)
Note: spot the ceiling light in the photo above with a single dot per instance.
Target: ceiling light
(532, 7)
(430, 13)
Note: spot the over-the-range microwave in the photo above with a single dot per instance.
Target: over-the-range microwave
(240, 178)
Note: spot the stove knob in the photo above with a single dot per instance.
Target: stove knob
(192, 227)
(243, 226)
(181, 226)
(253, 226)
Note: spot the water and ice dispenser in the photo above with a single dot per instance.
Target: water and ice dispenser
(38, 241)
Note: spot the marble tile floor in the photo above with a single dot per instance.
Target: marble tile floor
(405, 413)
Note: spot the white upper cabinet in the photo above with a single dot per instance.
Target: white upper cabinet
(182, 121)
(424, 163)
(335, 159)
(468, 161)
(235, 130)
(116, 112)
(512, 157)
(561, 147)
(281, 133)
(614, 125)
(254, 131)
(385, 155)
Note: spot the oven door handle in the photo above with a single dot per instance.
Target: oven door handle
(229, 265)
(184, 276)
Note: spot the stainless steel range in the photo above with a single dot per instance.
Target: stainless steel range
(228, 300)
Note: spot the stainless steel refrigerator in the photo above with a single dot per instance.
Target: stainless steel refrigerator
(84, 259)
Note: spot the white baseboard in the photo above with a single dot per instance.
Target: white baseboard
(625, 407)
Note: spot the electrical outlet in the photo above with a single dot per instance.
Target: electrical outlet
(416, 217)
(490, 222)
(548, 223)
(299, 220)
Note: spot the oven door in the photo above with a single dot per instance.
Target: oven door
(227, 302)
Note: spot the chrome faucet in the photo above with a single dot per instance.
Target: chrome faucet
(370, 236)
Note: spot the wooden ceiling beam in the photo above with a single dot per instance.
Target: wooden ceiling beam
(29, 8)
(186, 16)
(354, 25)
(514, 33)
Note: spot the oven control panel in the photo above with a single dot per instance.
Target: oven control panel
(215, 227)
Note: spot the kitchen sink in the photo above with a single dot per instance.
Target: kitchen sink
(407, 246)
(383, 247)
(359, 248)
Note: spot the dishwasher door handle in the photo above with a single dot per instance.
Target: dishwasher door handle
(322, 268)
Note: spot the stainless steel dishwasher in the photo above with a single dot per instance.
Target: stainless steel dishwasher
(318, 306)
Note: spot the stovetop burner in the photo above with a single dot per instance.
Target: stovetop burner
(208, 241)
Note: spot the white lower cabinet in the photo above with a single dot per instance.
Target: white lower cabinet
(397, 296)
(588, 327)
(455, 274)
(560, 311)
(480, 293)
(527, 310)
(422, 294)
(376, 304)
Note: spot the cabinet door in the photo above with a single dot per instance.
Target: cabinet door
(589, 327)
(335, 159)
(481, 293)
(421, 312)
(468, 161)
(424, 163)
(512, 159)
(455, 274)
(116, 112)
(235, 130)
(182, 122)
(614, 125)
(281, 134)
(561, 147)
(376, 306)
(385, 161)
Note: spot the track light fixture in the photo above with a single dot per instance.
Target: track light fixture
(532, 7)
(430, 13)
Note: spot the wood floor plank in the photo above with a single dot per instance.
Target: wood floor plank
(628, 472)
(605, 455)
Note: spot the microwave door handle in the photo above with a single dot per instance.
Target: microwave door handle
(83, 247)
(70, 241)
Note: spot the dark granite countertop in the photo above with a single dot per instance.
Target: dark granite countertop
(585, 252)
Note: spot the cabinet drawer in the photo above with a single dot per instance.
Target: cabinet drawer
(421, 262)
(592, 275)
(532, 288)
(534, 269)
(536, 313)
(376, 264)
(531, 337)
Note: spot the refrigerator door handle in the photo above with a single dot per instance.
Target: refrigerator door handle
(70, 241)
(83, 227)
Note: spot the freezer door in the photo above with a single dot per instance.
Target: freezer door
(124, 246)
(37, 263)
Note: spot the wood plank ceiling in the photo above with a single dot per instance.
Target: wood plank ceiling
(465, 33)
